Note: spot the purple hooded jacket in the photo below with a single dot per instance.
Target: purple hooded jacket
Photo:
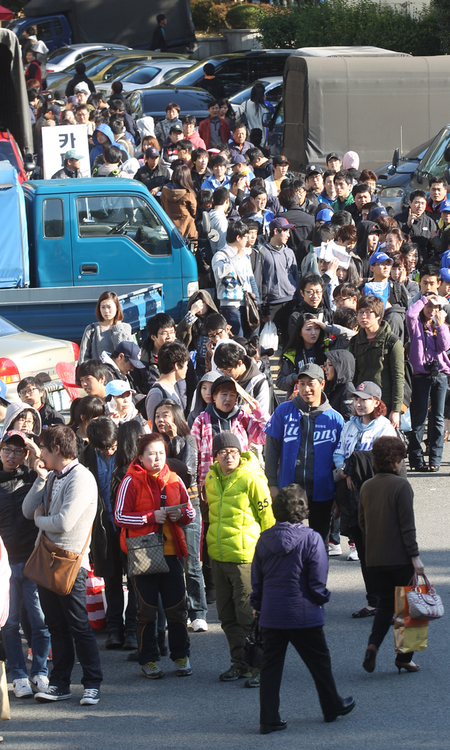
(289, 576)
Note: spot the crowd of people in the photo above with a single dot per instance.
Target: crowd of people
(183, 435)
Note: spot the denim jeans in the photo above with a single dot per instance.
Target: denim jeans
(197, 607)
(67, 620)
(235, 317)
(425, 389)
(22, 589)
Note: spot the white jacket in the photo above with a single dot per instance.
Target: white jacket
(356, 436)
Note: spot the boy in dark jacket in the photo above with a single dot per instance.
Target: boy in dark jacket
(32, 392)
(19, 536)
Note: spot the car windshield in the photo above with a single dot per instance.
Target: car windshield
(190, 78)
(433, 162)
(59, 54)
(155, 101)
(142, 76)
(7, 328)
(7, 154)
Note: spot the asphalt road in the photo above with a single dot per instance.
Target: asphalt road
(201, 713)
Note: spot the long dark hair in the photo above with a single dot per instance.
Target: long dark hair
(89, 407)
(178, 417)
(296, 339)
(128, 437)
(182, 176)
(257, 95)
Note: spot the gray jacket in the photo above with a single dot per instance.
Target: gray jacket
(72, 510)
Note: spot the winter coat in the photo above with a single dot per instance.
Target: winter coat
(66, 174)
(291, 361)
(189, 329)
(13, 411)
(382, 362)
(181, 206)
(300, 445)
(98, 148)
(153, 178)
(280, 276)
(338, 389)
(240, 507)
(424, 345)
(362, 233)
(289, 576)
(50, 416)
(18, 533)
(248, 428)
(304, 225)
(356, 436)
(420, 231)
(198, 404)
(79, 78)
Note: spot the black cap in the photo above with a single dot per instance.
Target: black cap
(312, 371)
(332, 155)
(225, 440)
(223, 380)
(312, 169)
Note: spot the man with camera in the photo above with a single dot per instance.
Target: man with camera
(429, 341)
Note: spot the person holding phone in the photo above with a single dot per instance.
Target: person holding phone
(149, 496)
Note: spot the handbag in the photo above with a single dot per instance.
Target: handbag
(251, 305)
(252, 653)
(409, 634)
(146, 553)
(51, 566)
(424, 605)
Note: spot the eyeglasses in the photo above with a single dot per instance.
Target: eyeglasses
(26, 420)
(365, 313)
(28, 391)
(13, 451)
(217, 334)
(224, 452)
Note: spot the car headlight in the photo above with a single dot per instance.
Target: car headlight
(392, 192)
(192, 287)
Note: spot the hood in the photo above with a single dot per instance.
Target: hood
(362, 233)
(357, 421)
(173, 193)
(13, 412)
(146, 126)
(106, 130)
(251, 372)
(108, 170)
(198, 404)
(309, 411)
(206, 297)
(344, 365)
(284, 537)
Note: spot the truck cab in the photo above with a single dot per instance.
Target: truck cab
(111, 231)
(54, 30)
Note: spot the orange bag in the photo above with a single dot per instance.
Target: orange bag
(409, 635)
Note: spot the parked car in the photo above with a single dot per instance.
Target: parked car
(273, 87)
(153, 101)
(65, 57)
(238, 70)
(26, 355)
(394, 178)
(153, 74)
(10, 151)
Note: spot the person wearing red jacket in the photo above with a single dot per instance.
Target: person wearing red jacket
(214, 129)
(150, 495)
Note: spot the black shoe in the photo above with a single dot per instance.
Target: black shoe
(53, 693)
(114, 640)
(422, 468)
(210, 595)
(268, 728)
(133, 656)
(130, 643)
(348, 704)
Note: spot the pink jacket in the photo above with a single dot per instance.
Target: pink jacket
(248, 428)
(196, 140)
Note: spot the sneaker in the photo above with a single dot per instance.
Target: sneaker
(334, 550)
(30, 655)
(199, 625)
(152, 671)
(352, 553)
(252, 682)
(50, 655)
(53, 693)
(22, 688)
(234, 673)
(91, 696)
(39, 683)
(184, 666)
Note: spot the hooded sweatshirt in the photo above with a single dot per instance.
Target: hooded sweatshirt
(13, 412)
(98, 148)
(356, 436)
(299, 446)
(198, 404)
(280, 276)
(339, 389)
(181, 206)
(289, 575)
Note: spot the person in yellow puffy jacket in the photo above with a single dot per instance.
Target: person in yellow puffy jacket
(240, 508)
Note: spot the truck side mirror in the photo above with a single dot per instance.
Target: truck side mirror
(395, 158)
(29, 163)
(447, 154)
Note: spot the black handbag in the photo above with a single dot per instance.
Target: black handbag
(252, 653)
(146, 553)
(252, 317)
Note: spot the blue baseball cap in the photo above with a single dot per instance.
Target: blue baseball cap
(445, 274)
(445, 206)
(324, 215)
(131, 351)
(3, 390)
(376, 212)
(118, 388)
(380, 258)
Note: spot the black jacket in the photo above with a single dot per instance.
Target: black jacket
(420, 232)
(50, 416)
(338, 390)
(152, 178)
(18, 533)
(78, 78)
(159, 40)
(66, 174)
(304, 225)
(213, 86)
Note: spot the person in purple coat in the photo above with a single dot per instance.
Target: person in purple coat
(289, 575)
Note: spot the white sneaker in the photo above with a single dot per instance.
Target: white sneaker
(39, 683)
(22, 688)
(352, 553)
(334, 550)
(199, 625)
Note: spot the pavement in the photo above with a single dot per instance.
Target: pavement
(200, 713)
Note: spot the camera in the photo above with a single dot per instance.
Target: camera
(432, 366)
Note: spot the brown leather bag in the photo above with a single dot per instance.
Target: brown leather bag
(51, 566)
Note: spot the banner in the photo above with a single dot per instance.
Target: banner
(59, 139)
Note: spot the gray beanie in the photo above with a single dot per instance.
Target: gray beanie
(225, 440)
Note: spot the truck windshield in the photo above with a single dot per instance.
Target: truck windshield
(123, 215)
(433, 162)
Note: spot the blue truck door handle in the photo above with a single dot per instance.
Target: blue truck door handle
(89, 269)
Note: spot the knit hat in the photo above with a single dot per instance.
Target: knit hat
(225, 440)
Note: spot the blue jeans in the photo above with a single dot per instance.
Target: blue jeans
(235, 317)
(22, 589)
(197, 607)
(425, 389)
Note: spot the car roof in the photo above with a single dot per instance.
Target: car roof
(162, 94)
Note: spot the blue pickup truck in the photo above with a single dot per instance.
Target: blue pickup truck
(76, 238)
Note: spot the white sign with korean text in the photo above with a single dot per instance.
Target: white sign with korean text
(59, 139)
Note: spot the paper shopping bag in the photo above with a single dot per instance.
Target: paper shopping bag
(410, 639)
(5, 714)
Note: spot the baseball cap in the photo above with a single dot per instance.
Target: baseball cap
(332, 155)
(279, 160)
(324, 215)
(118, 388)
(176, 129)
(444, 274)
(3, 390)
(238, 159)
(380, 258)
(367, 389)
(82, 86)
(312, 169)
(13, 433)
(445, 206)
(151, 152)
(55, 109)
(72, 100)
(72, 153)
(375, 213)
(280, 223)
(132, 352)
(312, 371)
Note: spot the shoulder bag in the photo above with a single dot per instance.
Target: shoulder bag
(250, 303)
(51, 566)
(424, 605)
(146, 553)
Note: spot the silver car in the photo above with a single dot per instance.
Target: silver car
(64, 57)
(148, 75)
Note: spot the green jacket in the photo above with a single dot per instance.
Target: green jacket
(339, 205)
(382, 362)
(240, 508)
